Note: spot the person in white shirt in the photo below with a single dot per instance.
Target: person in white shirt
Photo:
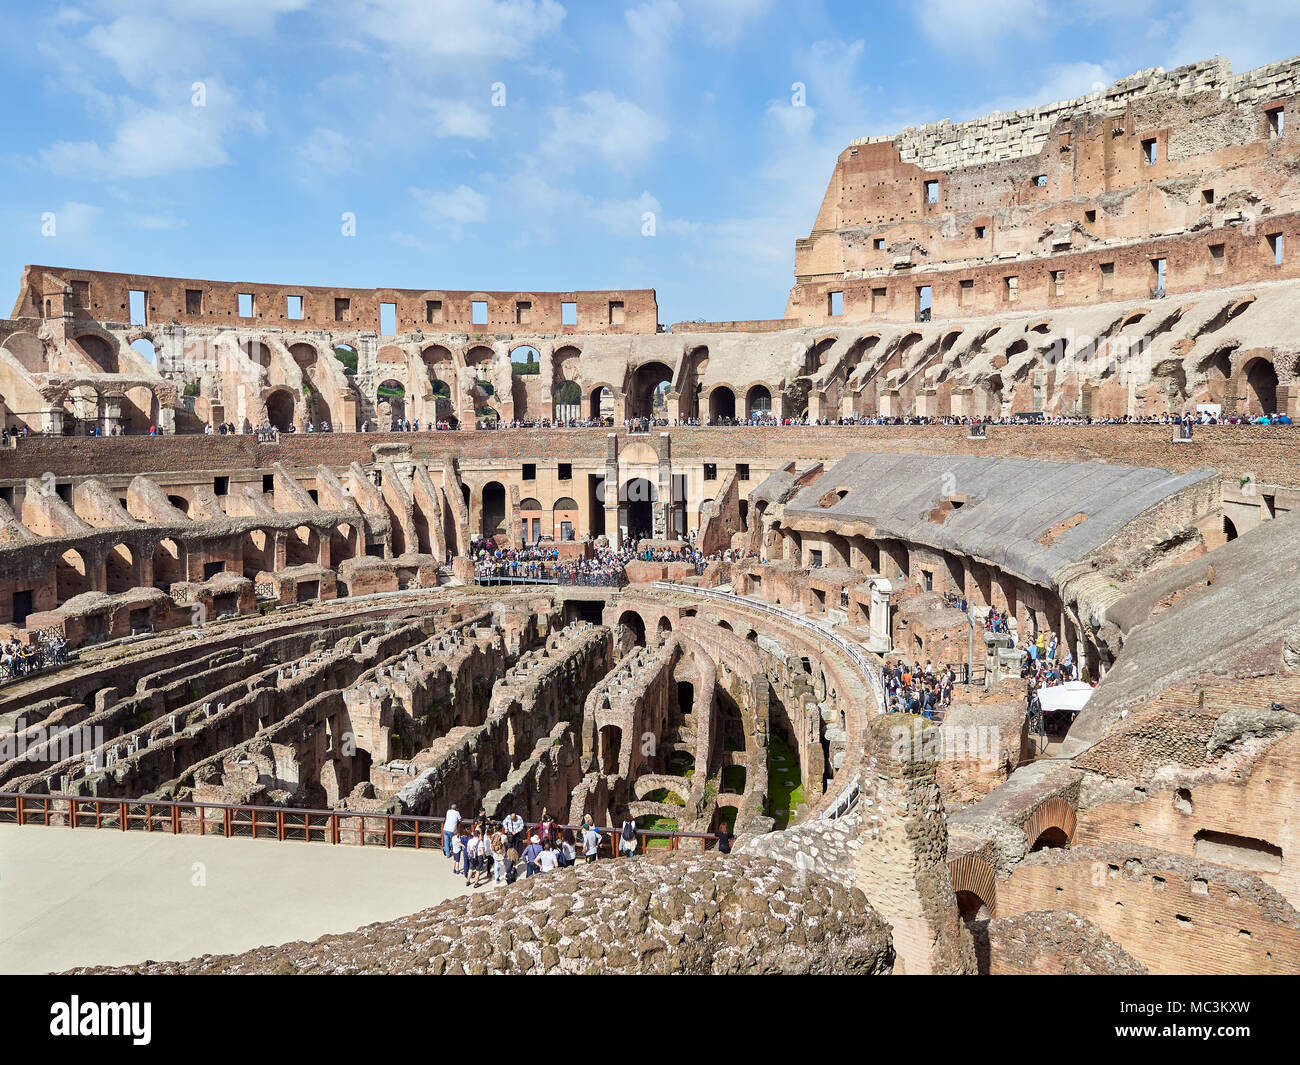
(449, 825)
(547, 861)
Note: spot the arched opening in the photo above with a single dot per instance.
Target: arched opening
(650, 384)
(601, 406)
(758, 402)
(567, 402)
(302, 547)
(631, 629)
(342, 544)
(1229, 528)
(257, 550)
(304, 355)
(390, 403)
(347, 355)
(144, 348)
(279, 409)
(494, 509)
(638, 508)
(119, 570)
(258, 353)
(530, 518)
(611, 745)
(1051, 838)
(1261, 388)
(71, 576)
(565, 518)
(665, 627)
(166, 564)
(722, 405)
(100, 352)
(972, 907)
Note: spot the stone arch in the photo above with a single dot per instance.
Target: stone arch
(101, 351)
(647, 380)
(634, 625)
(390, 401)
(28, 350)
(976, 879)
(167, 568)
(257, 550)
(638, 498)
(600, 402)
(722, 403)
(305, 354)
(144, 347)
(119, 570)
(493, 509)
(302, 547)
(1258, 387)
(280, 408)
(1053, 813)
(611, 747)
(71, 575)
(343, 544)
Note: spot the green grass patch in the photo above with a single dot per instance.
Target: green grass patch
(733, 779)
(664, 795)
(657, 824)
(783, 798)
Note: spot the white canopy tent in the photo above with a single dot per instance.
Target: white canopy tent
(1072, 696)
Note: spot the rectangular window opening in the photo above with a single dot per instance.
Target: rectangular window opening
(568, 312)
(293, 307)
(388, 319)
(138, 316)
(932, 192)
(245, 304)
(478, 312)
(1150, 152)
(835, 304)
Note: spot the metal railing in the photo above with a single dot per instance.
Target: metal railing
(846, 800)
(286, 824)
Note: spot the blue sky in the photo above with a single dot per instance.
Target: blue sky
(682, 109)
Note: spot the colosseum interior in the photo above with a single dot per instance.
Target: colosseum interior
(969, 411)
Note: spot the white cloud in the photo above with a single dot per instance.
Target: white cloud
(497, 28)
(977, 27)
(461, 206)
(74, 221)
(615, 129)
(458, 118)
(654, 23)
(326, 151)
(723, 22)
(152, 142)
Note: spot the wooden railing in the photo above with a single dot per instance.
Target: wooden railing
(279, 823)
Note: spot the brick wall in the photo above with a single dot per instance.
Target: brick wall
(1271, 454)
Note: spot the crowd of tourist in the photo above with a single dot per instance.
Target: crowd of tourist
(916, 690)
(485, 852)
(760, 419)
(23, 659)
(604, 568)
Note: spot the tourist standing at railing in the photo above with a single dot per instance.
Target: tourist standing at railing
(590, 841)
(498, 844)
(530, 856)
(627, 838)
(514, 829)
(449, 825)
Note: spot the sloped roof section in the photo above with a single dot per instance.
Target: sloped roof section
(1028, 517)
